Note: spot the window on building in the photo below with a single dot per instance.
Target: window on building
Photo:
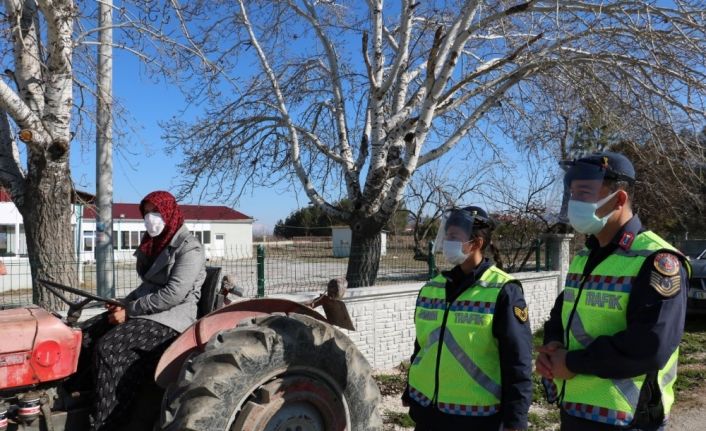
(134, 240)
(125, 240)
(88, 237)
(5, 246)
(115, 240)
(203, 236)
(22, 251)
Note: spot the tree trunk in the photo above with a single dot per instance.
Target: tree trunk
(47, 219)
(364, 259)
(563, 222)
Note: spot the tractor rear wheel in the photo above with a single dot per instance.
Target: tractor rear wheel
(275, 373)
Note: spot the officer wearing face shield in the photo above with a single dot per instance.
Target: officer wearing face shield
(611, 344)
(472, 361)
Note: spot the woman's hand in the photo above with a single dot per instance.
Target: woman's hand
(116, 314)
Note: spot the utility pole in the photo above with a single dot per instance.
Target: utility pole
(104, 153)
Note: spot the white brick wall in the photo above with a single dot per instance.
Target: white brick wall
(383, 315)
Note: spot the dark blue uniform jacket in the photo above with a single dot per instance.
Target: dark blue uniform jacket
(655, 325)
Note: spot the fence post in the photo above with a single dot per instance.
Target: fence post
(260, 271)
(431, 262)
(537, 250)
(548, 264)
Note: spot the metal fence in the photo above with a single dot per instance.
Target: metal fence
(269, 268)
(690, 247)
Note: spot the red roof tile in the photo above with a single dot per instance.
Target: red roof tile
(191, 212)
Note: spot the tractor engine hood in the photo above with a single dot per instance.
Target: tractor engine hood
(35, 347)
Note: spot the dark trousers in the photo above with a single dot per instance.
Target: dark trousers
(431, 428)
(122, 359)
(572, 423)
(444, 422)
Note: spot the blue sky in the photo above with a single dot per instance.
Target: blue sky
(142, 165)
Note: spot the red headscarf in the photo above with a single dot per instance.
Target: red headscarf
(173, 220)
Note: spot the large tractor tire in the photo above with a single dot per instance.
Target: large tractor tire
(275, 373)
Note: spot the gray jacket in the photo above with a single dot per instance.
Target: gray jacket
(171, 287)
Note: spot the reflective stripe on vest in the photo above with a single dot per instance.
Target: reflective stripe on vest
(469, 374)
(627, 387)
(604, 297)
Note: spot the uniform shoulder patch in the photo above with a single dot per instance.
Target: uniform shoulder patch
(667, 264)
(522, 314)
(666, 286)
(626, 240)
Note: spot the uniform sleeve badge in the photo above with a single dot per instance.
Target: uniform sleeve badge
(665, 286)
(522, 314)
(665, 279)
(667, 264)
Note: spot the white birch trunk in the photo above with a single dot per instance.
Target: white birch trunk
(41, 107)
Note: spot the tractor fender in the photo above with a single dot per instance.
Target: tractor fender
(195, 338)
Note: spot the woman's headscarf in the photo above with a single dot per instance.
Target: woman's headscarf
(173, 220)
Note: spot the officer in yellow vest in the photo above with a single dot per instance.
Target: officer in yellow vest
(612, 341)
(472, 361)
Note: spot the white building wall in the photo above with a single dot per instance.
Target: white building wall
(9, 214)
(341, 241)
(384, 315)
(11, 217)
(237, 240)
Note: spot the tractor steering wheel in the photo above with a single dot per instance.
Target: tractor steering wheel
(75, 308)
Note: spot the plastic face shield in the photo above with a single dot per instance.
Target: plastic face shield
(456, 225)
(584, 181)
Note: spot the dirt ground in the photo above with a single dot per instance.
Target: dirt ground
(688, 414)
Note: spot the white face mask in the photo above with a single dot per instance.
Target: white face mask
(154, 223)
(582, 215)
(453, 252)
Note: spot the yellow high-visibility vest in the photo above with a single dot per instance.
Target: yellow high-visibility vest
(602, 310)
(457, 344)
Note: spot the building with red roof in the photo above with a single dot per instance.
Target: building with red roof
(225, 232)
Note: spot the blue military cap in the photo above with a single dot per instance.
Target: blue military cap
(601, 165)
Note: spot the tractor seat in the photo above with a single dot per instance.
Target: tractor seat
(210, 291)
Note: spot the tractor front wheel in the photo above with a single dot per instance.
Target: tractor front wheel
(275, 373)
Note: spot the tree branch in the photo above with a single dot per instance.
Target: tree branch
(294, 150)
(11, 103)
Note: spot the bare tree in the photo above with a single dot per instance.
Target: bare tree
(41, 106)
(436, 188)
(38, 100)
(360, 122)
(526, 207)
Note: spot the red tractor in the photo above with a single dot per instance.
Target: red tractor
(255, 365)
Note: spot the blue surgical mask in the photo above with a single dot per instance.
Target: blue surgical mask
(453, 252)
(582, 215)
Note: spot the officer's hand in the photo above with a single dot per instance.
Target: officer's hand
(559, 369)
(543, 364)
